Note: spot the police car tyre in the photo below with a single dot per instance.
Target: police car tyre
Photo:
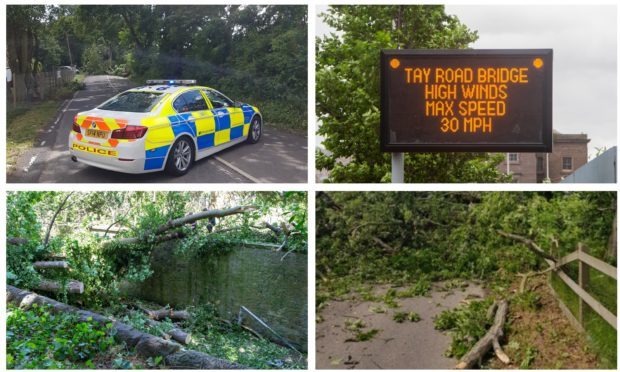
(256, 130)
(181, 157)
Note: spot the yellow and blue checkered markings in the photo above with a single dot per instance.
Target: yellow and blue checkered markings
(155, 158)
(210, 128)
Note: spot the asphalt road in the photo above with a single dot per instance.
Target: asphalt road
(278, 157)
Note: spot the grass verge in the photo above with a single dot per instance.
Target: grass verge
(602, 337)
(25, 121)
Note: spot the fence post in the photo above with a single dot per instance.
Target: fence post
(584, 281)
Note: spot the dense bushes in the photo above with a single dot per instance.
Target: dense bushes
(400, 237)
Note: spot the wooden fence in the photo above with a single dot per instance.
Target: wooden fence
(44, 85)
(580, 288)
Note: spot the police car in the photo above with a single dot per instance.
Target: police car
(165, 125)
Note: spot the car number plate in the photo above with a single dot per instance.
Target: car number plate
(103, 134)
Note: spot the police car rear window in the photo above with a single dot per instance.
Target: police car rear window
(132, 102)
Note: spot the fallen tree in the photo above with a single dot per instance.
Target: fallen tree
(72, 286)
(145, 344)
(178, 222)
(490, 339)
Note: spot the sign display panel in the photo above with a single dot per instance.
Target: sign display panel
(466, 100)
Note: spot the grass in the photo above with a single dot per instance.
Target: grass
(602, 337)
(25, 121)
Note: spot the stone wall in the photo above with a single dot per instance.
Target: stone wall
(274, 290)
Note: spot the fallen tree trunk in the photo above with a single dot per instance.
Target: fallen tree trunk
(167, 313)
(217, 213)
(146, 345)
(490, 339)
(176, 334)
(73, 286)
(64, 265)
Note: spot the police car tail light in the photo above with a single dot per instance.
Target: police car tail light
(129, 132)
(76, 127)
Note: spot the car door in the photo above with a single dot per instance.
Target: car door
(229, 118)
(195, 117)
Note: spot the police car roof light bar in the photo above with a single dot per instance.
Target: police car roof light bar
(171, 82)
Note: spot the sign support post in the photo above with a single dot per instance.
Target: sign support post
(398, 167)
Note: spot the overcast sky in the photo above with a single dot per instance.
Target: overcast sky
(583, 39)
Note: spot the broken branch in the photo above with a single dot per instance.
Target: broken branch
(529, 243)
(490, 340)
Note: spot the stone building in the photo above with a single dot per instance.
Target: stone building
(570, 151)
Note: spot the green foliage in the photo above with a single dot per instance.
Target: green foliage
(422, 287)
(347, 93)
(412, 316)
(363, 336)
(530, 355)
(39, 339)
(467, 324)
(102, 264)
(390, 298)
(354, 325)
(231, 342)
(256, 53)
(447, 235)
(93, 59)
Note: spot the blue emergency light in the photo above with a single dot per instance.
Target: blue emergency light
(171, 82)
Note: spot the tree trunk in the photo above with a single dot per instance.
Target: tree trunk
(73, 286)
(186, 220)
(64, 265)
(167, 313)
(612, 243)
(176, 334)
(146, 345)
(490, 340)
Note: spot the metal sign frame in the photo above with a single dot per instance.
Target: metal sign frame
(547, 124)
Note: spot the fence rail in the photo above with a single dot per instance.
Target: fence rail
(42, 85)
(580, 289)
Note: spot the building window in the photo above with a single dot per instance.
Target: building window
(513, 157)
(540, 164)
(567, 163)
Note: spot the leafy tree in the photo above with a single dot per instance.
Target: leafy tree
(347, 93)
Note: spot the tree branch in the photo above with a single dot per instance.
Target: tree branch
(58, 210)
(186, 220)
(529, 243)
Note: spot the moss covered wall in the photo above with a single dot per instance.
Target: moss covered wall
(258, 279)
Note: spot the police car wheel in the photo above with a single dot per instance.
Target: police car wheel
(256, 130)
(181, 157)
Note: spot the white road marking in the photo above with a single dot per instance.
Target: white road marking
(111, 84)
(32, 160)
(241, 172)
